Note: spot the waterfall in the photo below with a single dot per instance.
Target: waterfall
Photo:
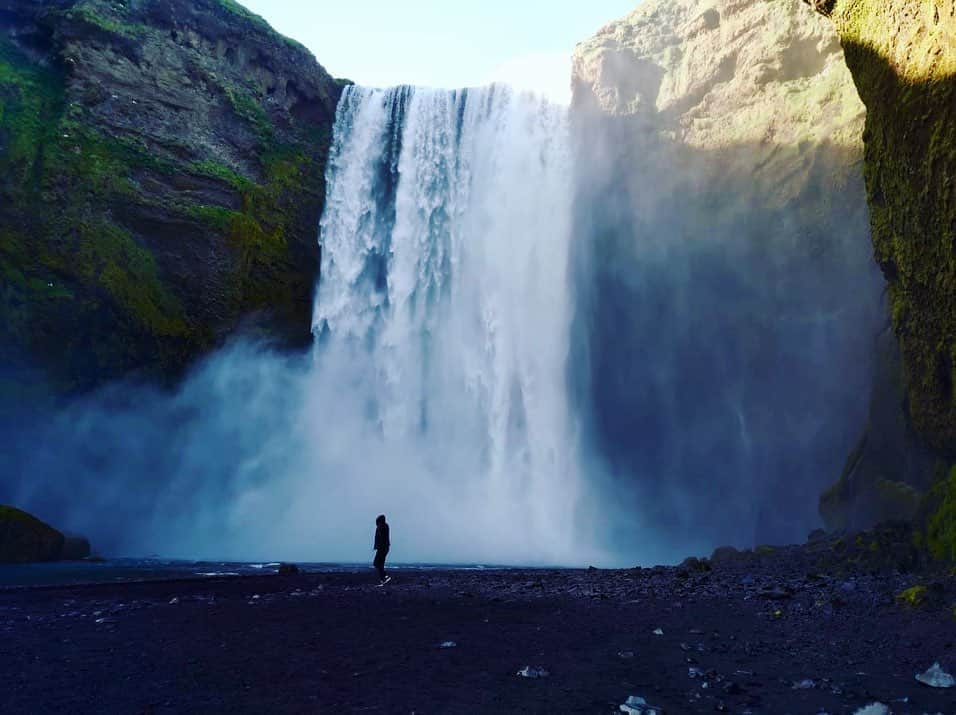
(444, 308)
(436, 392)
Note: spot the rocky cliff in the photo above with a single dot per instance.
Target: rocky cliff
(902, 54)
(732, 300)
(161, 178)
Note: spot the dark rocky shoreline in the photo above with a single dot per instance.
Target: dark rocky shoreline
(760, 632)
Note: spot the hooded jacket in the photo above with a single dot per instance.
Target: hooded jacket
(382, 542)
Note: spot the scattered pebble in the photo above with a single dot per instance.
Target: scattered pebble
(874, 709)
(635, 705)
(658, 632)
(530, 672)
(448, 644)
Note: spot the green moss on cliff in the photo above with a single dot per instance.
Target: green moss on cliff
(905, 70)
(941, 521)
(31, 98)
(224, 173)
(107, 17)
(239, 11)
(55, 246)
(147, 206)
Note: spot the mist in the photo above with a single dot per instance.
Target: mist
(537, 341)
(436, 392)
(724, 336)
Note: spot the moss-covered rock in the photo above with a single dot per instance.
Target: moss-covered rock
(921, 596)
(26, 539)
(939, 517)
(161, 178)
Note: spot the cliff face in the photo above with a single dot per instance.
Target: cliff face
(717, 75)
(902, 55)
(903, 58)
(161, 178)
(731, 297)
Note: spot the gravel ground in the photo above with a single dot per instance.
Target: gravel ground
(758, 633)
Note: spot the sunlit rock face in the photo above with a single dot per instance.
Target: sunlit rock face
(717, 75)
(728, 300)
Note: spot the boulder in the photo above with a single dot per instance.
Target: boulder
(695, 565)
(25, 539)
(724, 553)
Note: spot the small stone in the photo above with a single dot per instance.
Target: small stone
(531, 672)
(174, 600)
(635, 705)
(777, 593)
(874, 709)
(658, 632)
(448, 644)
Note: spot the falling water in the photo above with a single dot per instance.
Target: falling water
(445, 255)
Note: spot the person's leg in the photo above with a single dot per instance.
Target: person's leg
(384, 556)
(379, 564)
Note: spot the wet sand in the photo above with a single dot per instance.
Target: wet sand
(761, 634)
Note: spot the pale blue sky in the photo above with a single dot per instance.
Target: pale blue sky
(443, 43)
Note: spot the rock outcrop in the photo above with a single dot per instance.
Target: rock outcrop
(26, 539)
(75, 548)
(902, 55)
(161, 178)
(731, 298)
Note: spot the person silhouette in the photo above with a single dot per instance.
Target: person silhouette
(382, 544)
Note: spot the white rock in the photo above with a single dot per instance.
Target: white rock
(874, 709)
(936, 677)
(635, 705)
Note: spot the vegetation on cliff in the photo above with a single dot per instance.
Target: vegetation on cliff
(903, 59)
(902, 56)
(161, 177)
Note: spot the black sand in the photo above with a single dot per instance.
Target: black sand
(755, 628)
